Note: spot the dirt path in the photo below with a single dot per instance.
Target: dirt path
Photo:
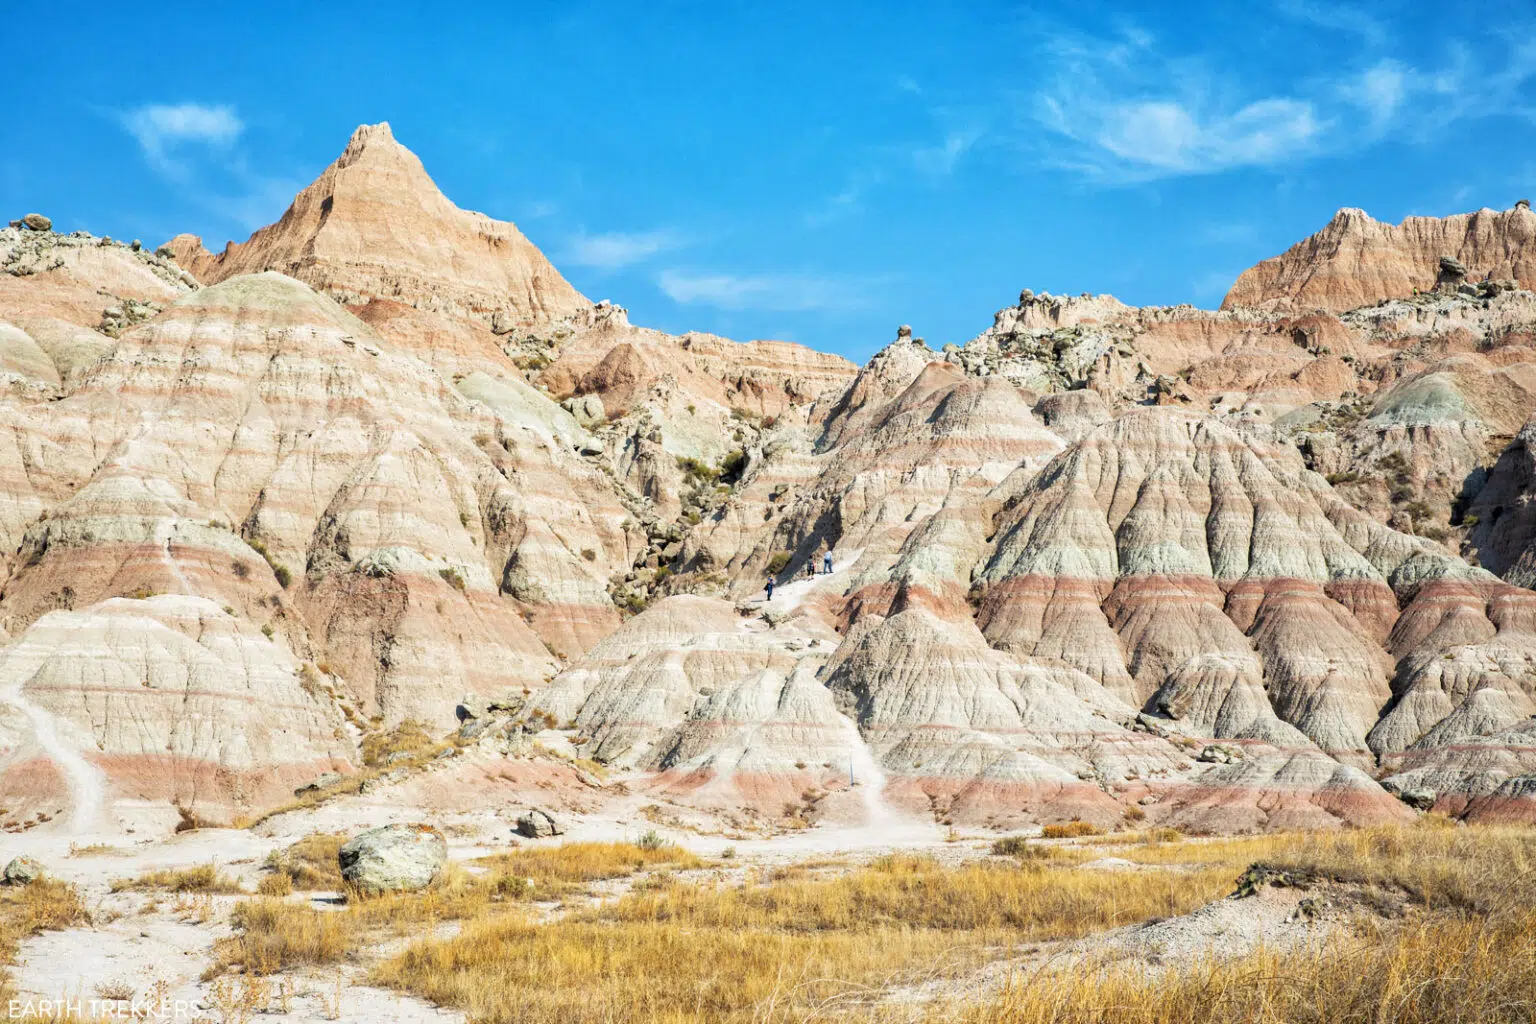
(87, 785)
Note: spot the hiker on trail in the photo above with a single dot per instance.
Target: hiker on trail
(810, 567)
(769, 588)
(826, 562)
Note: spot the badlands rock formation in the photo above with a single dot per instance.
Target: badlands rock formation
(382, 463)
(1357, 261)
(373, 226)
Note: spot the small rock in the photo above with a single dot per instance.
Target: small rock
(394, 858)
(37, 222)
(1418, 799)
(472, 727)
(325, 780)
(1219, 753)
(23, 871)
(536, 823)
(397, 757)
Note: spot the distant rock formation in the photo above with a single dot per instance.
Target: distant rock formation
(1357, 261)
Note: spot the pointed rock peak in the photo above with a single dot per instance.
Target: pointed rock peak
(1350, 215)
(366, 133)
(373, 225)
(372, 141)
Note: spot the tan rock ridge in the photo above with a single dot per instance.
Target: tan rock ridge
(1357, 261)
(374, 226)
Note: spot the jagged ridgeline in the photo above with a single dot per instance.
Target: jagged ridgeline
(1254, 568)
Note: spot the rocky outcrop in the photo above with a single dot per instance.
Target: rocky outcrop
(1357, 261)
(395, 858)
(374, 227)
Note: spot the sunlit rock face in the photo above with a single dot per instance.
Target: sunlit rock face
(1162, 564)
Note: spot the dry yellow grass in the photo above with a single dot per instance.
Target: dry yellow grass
(276, 935)
(310, 863)
(1070, 830)
(1435, 971)
(791, 941)
(45, 905)
(791, 945)
(204, 878)
(409, 737)
(1029, 901)
(558, 867)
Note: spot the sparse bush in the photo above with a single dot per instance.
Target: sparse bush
(409, 737)
(778, 561)
(204, 878)
(1070, 830)
(275, 885)
(1010, 846)
(733, 466)
(696, 469)
(453, 578)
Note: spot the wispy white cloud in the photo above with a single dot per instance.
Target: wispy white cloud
(163, 128)
(764, 292)
(1131, 109)
(940, 160)
(197, 147)
(1339, 18)
(617, 249)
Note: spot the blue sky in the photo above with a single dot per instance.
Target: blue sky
(818, 172)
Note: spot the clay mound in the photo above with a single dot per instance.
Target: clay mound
(167, 699)
(1356, 261)
(258, 448)
(724, 710)
(375, 226)
(1161, 540)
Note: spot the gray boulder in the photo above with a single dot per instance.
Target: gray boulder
(395, 858)
(37, 222)
(1220, 753)
(588, 410)
(22, 871)
(325, 780)
(536, 823)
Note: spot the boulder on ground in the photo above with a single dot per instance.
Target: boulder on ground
(37, 222)
(325, 780)
(22, 871)
(536, 823)
(395, 858)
